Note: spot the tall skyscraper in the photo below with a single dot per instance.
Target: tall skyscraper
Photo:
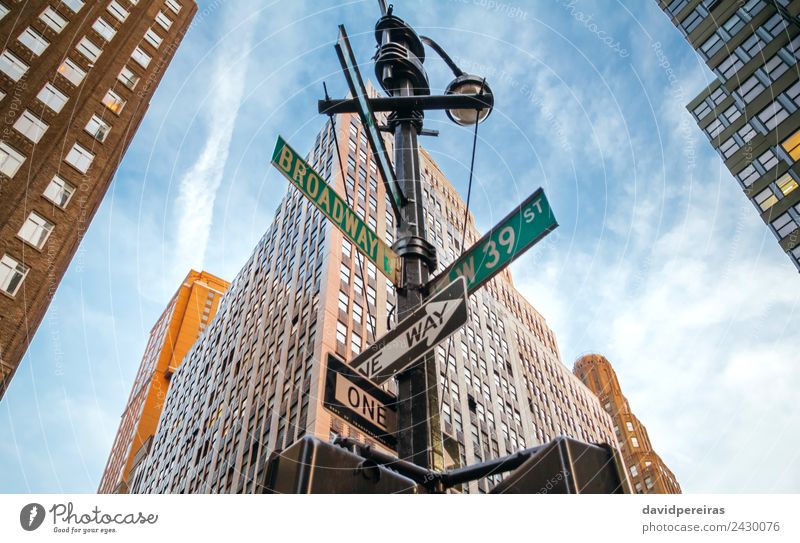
(647, 472)
(76, 78)
(186, 316)
(254, 382)
(751, 112)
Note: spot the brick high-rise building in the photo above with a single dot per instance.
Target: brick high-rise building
(186, 316)
(751, 111)
(76, 78)
(647, 472)
(254, 382)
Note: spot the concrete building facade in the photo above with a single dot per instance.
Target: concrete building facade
(751, 111)
(187, 315)
(76, 78)
(253, 383)
(646, 471)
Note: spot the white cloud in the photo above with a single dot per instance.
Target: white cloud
(199, 185)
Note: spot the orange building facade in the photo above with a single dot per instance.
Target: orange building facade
(187, 315)
(647, 472)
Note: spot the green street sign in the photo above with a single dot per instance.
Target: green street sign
(511, 237)
(322, 195)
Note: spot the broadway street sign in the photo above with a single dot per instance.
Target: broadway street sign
(360, 402)
(417, 334)
(512, 236)
(309, 182)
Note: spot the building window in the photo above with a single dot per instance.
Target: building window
(3, 11)
(750, 89)
(629, 426)
(701, 111)
(12, 273)
(648, 482)
(748, 175)
(751, 46)
(104, 28)
(114, 102)
(729, 147)
(712, 45)
(355, 343)
(30, 126)
(792, 146)
(33, 41)
(72, 71)
(775, 25)
(634, 471)
(59, 192)
(141, 58)
(152, 38)
(173, 5)
(344, 274)
(357, 313)
(343, 302)
(768, 160)
(51, 97)
(731, 114)
(786, 184)
(98, 128)
(12, 66)
(784, 225)
(746, 132)
(128, 78)
(163, 20)
(733, 25)
(772, 115)
(115, 9)
(341, 332)
(36, 230)
(730, 66)
(10, 159)
(80, 158)
(88, 49)
(52, 19)
(346, 248)
(693, 19)
(635, 442)
(765, 199)
(775, 67)
(74, 5)
(714, 128)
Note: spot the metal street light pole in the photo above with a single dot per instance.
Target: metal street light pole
(399, 69)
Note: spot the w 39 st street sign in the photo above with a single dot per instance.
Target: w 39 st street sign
(516, 233)
(322, 195)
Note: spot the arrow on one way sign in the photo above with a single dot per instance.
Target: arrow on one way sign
(417, 334)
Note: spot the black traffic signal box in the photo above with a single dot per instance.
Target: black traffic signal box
(568, 466)
(311, 466)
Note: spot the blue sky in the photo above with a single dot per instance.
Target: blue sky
(660, 263)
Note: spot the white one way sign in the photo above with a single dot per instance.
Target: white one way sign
(417, 334)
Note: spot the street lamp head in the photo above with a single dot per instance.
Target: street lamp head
(470, 84)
